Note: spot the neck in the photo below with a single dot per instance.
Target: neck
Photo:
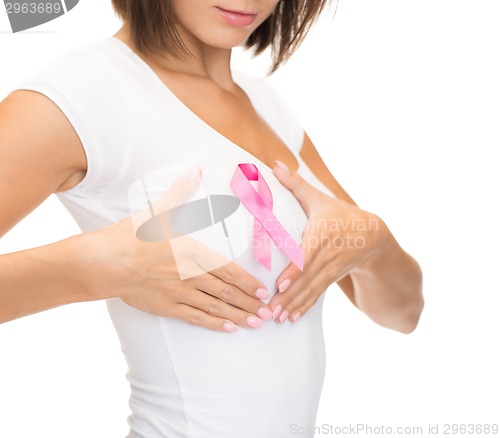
(207, 61)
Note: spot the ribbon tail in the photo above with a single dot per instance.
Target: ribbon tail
(281, 237)
(262, 245)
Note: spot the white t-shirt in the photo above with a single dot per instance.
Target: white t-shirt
(188, 381)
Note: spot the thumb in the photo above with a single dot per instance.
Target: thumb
(308, 196)
(148, 224)
(180, 190)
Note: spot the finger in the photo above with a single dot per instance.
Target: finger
(216, 307)
(304, 300)
(297, 309)
(292, 274)
(147, 223)
(280, 303)
(200, 318)
(180, 190)
(232, 295)
(287, 277)
(296, 314)
(194, 259)
(310, 248)
(234, 274)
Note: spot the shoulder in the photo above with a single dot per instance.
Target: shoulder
(82, 68)
(273, 105)
(260, 87)
(82, 85)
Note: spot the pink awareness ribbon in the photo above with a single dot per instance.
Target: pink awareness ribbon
(266, 225)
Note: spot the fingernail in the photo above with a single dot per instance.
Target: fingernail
(193, 172)
(284, 285)
(262, 293)
(277, 311)
(254, 322)
(282, 165)
(229, 326)
(284, 316)
(265, 313)
(296, 316)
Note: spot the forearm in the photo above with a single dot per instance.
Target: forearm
(44, 277)
(388, 285)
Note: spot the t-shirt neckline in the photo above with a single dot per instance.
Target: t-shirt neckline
(198, 120)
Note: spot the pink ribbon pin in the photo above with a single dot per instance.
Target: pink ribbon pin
(266, 225)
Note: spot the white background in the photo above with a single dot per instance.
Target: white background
(402, 99)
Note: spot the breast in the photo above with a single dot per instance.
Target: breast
(255, 381)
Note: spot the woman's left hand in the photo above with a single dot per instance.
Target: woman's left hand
(338, 238)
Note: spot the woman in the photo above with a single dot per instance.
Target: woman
(218, 343)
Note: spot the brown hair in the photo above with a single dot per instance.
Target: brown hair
(152, 27)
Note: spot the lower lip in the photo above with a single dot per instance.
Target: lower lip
(237, 19)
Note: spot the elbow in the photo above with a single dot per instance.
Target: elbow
(403, 319)
(412, 318)
(411, 313)
(406, 314)
(414, 303)
(401, 307)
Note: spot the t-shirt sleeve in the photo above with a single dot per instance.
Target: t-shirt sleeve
(86, 92)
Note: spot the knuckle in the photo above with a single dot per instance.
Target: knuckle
(214, 308)
(178, 187)
(185, 250)
(227, 293)
(175, 294)
(195, 318)
(304, 294)
(308, 294)
(228, 271)
(313, 299)
(305, 306)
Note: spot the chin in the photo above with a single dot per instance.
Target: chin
(225, 39)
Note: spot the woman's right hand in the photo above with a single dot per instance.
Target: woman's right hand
(145, 274)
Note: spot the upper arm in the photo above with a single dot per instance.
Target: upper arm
(314, 161)
(39, 151)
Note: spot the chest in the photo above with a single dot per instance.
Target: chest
(233, 116)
